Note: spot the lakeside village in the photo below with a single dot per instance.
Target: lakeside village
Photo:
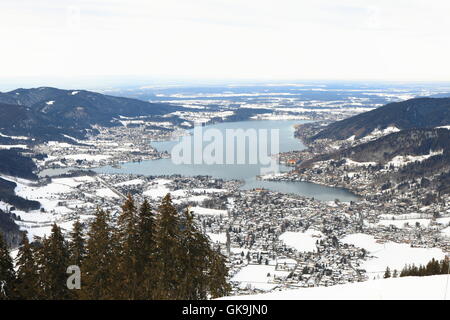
(128, 140)
(272, 240)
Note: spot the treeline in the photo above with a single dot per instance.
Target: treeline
(434, 267)
(139, 255)
(13, 163)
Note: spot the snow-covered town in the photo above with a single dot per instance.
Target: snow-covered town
(272, 240)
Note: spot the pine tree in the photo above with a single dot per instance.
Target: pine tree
(195, 260)
(422, 271)
(169, 251)
(54, 260)
(204, 270)
(7, 275)
(127, 238)
(98, 265)
(445, 268)
(387, 273)
(27, 271)
(218, 285)
(435, 267)
(145, 267)
(77, 245)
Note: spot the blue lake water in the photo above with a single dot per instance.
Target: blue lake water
(246, 172)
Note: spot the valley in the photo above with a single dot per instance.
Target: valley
(337, 212)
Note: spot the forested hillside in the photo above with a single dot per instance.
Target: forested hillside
(48, 113)
(141, 254)
(413, 142)
(414, 113)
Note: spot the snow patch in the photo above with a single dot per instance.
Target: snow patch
(390, 254)
(302, 241)
(12, 146)
(400, 161)
(407, 288)
(208, 211)
(259, 277)
(106, 193)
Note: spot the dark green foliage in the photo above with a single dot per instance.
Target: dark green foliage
(169, 251)
(148, 255)
(98, 269)
(387, 273)
(145, 255)
(53, 260)
(7, 276)
(126, 239)
(218, 285)
(27, 271)
(77, 245)
(434, 267)
(13, 163)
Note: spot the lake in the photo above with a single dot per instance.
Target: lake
(246, 172)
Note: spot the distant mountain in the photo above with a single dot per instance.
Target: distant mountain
(440, 95)
(67, 111)
(414, 113)
(19, 120)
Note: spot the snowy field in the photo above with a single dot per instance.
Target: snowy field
(133, 182)
(302, 241)
(209, 212)
(258, 277)
(217, 237)
(58, 207)
(410, 220)
(158, 190)
(408, 288)
(446, 232)
(39, 222)
(390, 254)
(106, 193)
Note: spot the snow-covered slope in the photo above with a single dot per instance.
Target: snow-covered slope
(390, 254)
(408, 288)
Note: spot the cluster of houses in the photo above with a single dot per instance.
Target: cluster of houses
(294, 240)
(112, 146)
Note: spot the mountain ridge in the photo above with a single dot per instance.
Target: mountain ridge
(413, 142)
(71, 112)
(413, 113)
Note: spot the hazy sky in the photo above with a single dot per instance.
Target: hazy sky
(227, 39)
